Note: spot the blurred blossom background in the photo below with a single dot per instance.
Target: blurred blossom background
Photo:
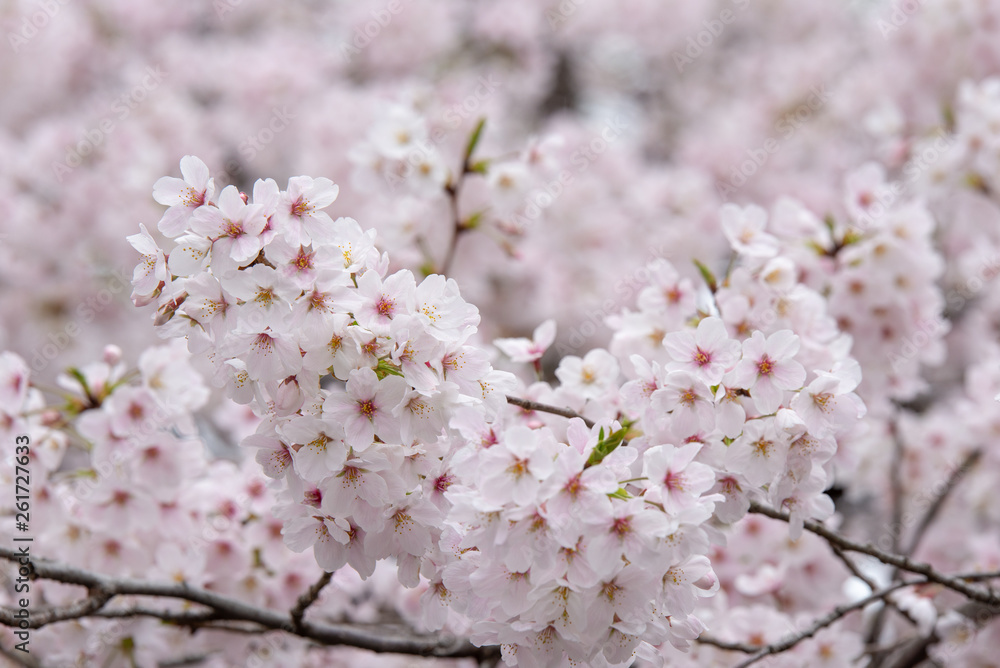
(613, 134)
(650, 108)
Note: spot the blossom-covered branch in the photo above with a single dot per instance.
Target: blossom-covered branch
(220, 609)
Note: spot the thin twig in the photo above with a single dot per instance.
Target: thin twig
(545, 408)
(853, 568)
(821, 623)
(939, 501)
(896, 485)
(726, 645)
(221, 608)
(308, 599)
(899, 561)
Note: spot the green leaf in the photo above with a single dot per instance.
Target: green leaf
(472, 222)
(605, 446)
(707, 274)
(620, 493)
(387, 368)
(474, 139)
(480, 167)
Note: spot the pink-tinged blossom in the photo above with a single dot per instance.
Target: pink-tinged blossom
(355, 245)
(270, 353)
(513, 470)
(707, 352)
(744, 228)
(298, 214)
(759, 453)
(768, 369)
(730, 414)
(440, 306)
(264, 292)
(330, 347)
(631, 530)
(209, 304)
(674, 479)
(14, 380)
(668, 294)
(183, 196)
(365, 407)
(190, 256)
(234, 228)
(574, 490)
(825, 407)
(151, 271)
(529, 350)
(377, 302)
(592, 376)
(689, 402)
(273, 455)
(319, 448)
(323, 534)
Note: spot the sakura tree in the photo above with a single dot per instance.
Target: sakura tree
(584, 343)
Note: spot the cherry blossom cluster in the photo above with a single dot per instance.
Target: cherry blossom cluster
(386, 425)
(123, 485)
(403, 155)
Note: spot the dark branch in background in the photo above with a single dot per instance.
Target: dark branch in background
(20, 658)
(545, 408)
(896, 484)
(821, 623)
(899, 561)
(925, 523)
(895, 526)
(852, 567)
(308, 599)
(971, 459)
(453, 189)
(102, 589)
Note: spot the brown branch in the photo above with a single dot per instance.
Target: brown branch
(20, 658)
(221, 608)
(726, 645)
(545, 408)
(853, 568)
(899, 561)
(308, 599)
(939, 501)
(821, 623)
(896, 485)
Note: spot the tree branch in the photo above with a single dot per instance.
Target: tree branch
(821, 623)
(899, 561)
(939, 501)
(853, 568)
(103, 588)
(308, 599)
(545, 408)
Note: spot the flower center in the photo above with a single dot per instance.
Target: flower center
(765, 367)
